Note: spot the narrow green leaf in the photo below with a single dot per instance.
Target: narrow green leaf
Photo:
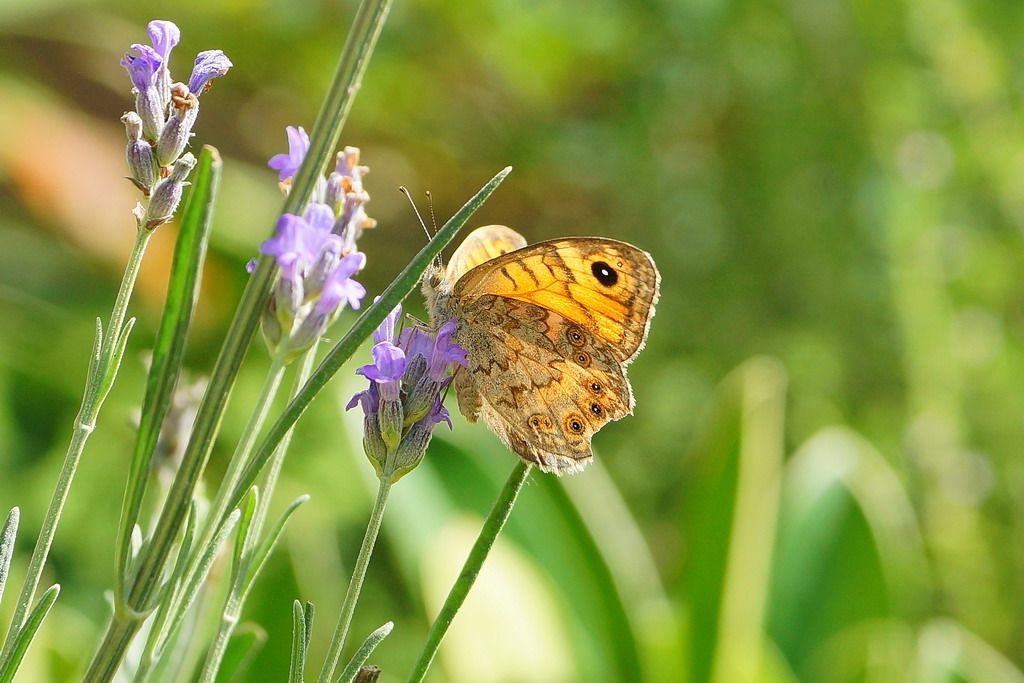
(733, 511)
(242, 649)
(169, 345)
(242, 540)
(116, 355)
(8, 533)
(308, 616)
(260, 555)
(300, 637)
(849, 551)
(187, 593)
(393, 295)
(364, 652)
(27, 633)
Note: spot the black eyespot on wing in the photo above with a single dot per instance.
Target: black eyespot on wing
(575, 425)
(582, 358)
(575, 336)
(540, 422)
(596, 409)
(595, 387)
(604, 273)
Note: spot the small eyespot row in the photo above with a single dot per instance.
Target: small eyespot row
(540, 421)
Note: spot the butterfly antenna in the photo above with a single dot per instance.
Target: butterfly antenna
(404, 190)
(430, 203)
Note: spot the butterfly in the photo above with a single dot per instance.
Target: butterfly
(548, 331)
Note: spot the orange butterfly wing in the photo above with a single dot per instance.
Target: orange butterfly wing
(608, 287)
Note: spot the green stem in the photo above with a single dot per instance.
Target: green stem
(218, 511)
(471, 569)
(348, 607)
(232, 611)
(99, 379)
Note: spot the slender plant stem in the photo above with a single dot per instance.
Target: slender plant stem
(219, 508)
(99, 379)
(348, 607)
(471, 569)
(271, 384)
(232, 611)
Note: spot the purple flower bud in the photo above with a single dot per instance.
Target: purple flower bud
(163, 35)
(250, 265)
(386, 330)
(373, 441)
(326, 263)
(176, 132)
(209, 64)
(334, 193)
(139, 154)
(167, 193)
(288, 245)
(341, 287)
(416, 342)
(149, 103)
(445, 353)
(391, 418)
(414, 443)
(320, 218)
(289, 293)
(287, 165)
(388, 365)
(142, 67)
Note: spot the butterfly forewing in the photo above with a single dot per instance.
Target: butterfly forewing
(606, 286)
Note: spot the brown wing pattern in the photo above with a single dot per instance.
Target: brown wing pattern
(607, 287)
(544, 384)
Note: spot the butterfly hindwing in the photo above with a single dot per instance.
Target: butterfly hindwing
(544, 384)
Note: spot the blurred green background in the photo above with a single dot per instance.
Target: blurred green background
(822, 480)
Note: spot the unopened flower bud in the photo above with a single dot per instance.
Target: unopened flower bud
(271, 326)
(421, 398)
(334, 195)
(167, 193)
(373, 443)
(410, 451)
(176, 132)
(390, 421)
(288, 295)
(309, 330)
(325, 264)
(149, 105)
(139, 154)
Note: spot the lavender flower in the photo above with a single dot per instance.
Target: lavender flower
(163, 36)
(139, 154)
(160, 127)
(287, 165)
(317, 265)
(397, 426)
(209, 64)
(167, 193)
(178, 130)
(142, 68)
(315, 278)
